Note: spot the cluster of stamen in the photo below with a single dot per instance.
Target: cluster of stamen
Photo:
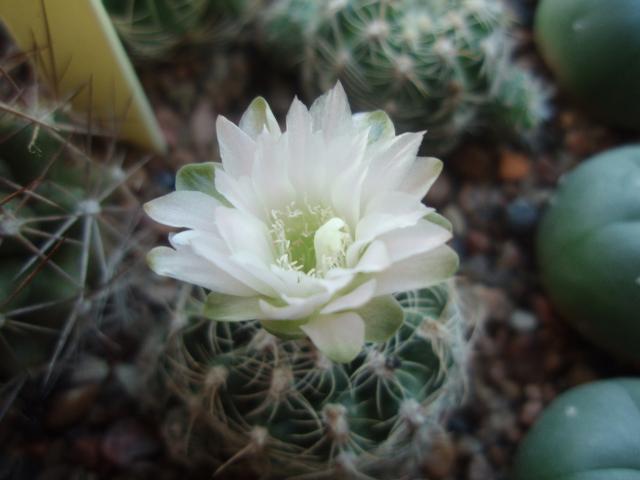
(293, 231)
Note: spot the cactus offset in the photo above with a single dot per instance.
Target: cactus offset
(283, 409)
(441, 65)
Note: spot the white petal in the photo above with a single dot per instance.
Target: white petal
(390, 163)
(258, 118)
(184, 209)
(339, 336)
(244, 233)
(388, 212)
(331, 113)
(352, 300)
(188, 267)
(419, 238)
(270, 174)
(374, 259)
(215, 250)
(237, 149)
(306, 165)
(240, 193)
(422, 174)
(348, 178)
(420, 271)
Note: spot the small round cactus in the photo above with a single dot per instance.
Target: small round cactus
(588, 433)
(592, 49)
(282, 408)
(443, 66)
(589, 250)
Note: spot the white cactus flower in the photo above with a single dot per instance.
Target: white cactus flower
(310, 230)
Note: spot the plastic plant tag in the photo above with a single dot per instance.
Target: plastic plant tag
(77, 52)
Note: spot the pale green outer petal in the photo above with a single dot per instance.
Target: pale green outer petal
(382, 317)
(339, 336)
(377, 122)
(284, 329)
(439, 220)
(421, 176)
(186, 266)
(352, 300)
(184, 209)
(297, 309)
(237, 149)
(420, 271)
(259, 117)
(200, 177)
(230, 308)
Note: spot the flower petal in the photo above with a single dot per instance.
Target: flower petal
(213, 249)
(287, 329)
(295, 309)
(419, 238)
(352, 300)
(420, 271)
(244, 233)
(390, 162)
(331, 113)
(240, 193)
(229, 308)
(237, 149)
(184, 209)
(385, 213)
(200, 177)
(257, 118)
(188, 267)
(378, 124)
(382, 317)
(339, 336)
(422, 174)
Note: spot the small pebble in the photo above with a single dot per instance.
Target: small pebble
(522, 215)
(523, 321)
(514, 166)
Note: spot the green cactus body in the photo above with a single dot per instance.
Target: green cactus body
(284, 409)
(64, 221)
(441, 65)
(152, 28)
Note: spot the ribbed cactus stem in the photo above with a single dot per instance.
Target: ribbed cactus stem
(282, 408)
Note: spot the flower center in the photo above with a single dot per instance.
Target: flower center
(309, 238)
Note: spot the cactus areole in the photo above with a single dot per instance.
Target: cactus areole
(589, 250)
